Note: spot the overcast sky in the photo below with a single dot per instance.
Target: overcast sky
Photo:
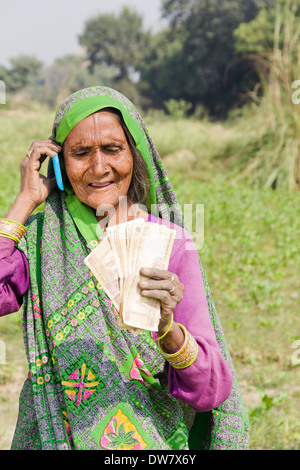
(48, 30)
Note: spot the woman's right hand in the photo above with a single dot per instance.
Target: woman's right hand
(35, 187)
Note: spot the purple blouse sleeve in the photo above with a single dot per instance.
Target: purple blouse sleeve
(14, 276)
(207, 382)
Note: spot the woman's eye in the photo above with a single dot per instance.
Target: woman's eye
(81, 154)
(113, 149)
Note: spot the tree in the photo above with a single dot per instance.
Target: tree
(276, 163)
(207, 51)
(69, 74)
(257, 36)
(22, 72)
(116, 40)
(162, 72)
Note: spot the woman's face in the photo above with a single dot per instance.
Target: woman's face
(98, 160)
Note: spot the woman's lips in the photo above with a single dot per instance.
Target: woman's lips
(100, 185)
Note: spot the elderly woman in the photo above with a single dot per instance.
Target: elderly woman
(91, 384)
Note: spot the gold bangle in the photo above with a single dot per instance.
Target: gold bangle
(12, 229)
(166, 332)
(8, 235)
(173, 356)
(186, 355)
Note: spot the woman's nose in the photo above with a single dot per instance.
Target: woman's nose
(99, 162)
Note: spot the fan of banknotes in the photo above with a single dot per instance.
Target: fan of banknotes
(116, 264)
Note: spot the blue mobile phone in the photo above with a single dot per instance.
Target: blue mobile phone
(57, 172)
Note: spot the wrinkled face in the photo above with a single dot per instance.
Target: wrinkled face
(98, 160)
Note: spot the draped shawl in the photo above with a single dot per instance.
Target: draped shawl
(92, 385)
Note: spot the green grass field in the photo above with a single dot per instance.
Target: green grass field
(250, 255)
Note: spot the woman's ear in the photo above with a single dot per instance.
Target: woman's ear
(61, 157)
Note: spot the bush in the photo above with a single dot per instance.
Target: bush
(177, 109)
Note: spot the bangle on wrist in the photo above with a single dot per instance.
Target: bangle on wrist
(166, 332)
(12, 229)
(186, 354)
(11, 237)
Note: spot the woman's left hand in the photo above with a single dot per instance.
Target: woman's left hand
(164, 286)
